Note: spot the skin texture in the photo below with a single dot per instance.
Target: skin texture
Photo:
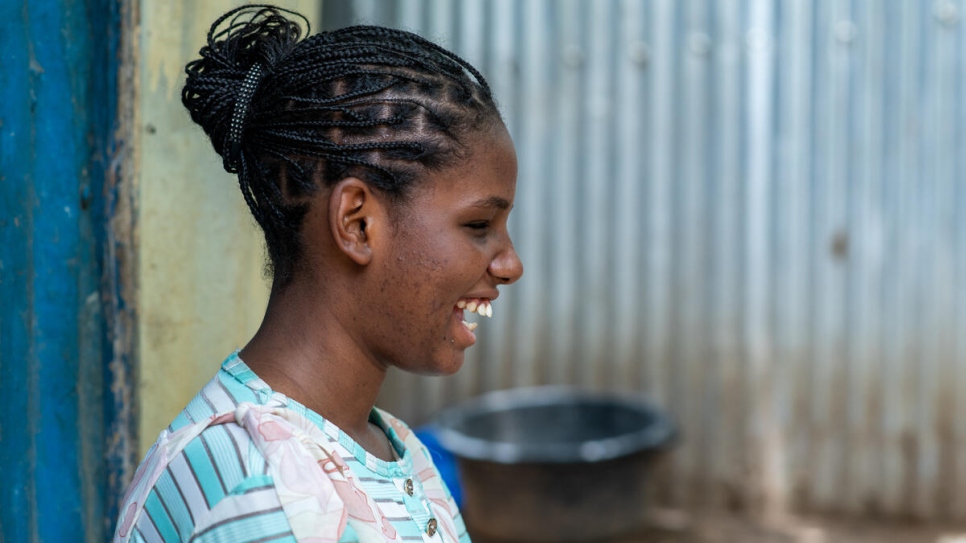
(379, 283)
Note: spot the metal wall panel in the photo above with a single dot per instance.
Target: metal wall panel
(67, 246)
(751, 210)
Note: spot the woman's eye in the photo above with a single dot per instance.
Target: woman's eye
(479, 225)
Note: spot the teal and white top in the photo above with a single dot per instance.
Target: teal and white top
(244, 463)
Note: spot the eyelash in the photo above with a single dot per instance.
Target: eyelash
(479, 225)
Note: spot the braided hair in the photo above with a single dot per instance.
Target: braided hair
(289, 115)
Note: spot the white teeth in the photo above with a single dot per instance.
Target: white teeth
(482, 307)
(471, 325)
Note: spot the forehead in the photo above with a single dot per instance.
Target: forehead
(485, 177)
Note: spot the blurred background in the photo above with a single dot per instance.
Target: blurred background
(751, 211)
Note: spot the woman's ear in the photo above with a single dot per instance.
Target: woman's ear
(354, 216)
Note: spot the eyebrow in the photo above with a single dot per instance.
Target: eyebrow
(492, 201)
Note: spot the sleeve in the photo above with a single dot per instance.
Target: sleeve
(251, 512)
(216, 488)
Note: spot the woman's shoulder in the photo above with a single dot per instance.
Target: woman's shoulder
(192, 485)
(229, 387)
(203, 471)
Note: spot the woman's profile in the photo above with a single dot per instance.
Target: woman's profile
(380, 171)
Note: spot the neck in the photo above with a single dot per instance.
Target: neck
(305, 351)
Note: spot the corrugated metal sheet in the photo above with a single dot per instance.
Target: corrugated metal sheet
(752, 210)
(67, 251)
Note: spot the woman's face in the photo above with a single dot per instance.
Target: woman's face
(449, 248)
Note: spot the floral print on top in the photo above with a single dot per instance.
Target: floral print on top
(245, 463)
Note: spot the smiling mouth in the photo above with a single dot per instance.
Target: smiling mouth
(480, 306)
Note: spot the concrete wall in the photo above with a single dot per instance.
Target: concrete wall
(202, 292)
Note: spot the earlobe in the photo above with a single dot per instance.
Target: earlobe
(351, 218)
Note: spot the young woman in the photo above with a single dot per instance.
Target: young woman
(382, 175)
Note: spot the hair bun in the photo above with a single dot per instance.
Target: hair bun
(239, 40)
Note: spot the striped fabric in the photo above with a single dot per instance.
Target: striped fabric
(217, 485)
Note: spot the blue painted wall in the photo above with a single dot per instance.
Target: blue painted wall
(58, 107)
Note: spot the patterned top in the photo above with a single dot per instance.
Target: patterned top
(244, 463)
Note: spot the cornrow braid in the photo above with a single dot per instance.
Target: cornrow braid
(384, 105)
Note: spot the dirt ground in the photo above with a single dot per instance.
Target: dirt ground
(674, 527)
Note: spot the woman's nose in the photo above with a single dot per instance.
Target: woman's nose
(506, 267)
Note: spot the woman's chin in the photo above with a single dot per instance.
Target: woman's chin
(442, 365)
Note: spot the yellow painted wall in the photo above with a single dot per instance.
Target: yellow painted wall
(202, 292)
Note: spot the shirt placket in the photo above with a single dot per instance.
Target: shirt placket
(419, 507)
